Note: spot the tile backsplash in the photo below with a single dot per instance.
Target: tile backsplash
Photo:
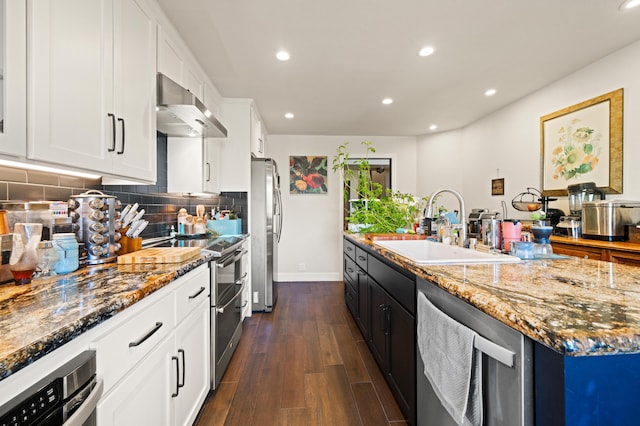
(161, 207)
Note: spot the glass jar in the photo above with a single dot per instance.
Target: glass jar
(47, 258)
(24, 257)
(69, 253)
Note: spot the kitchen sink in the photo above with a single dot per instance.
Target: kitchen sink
(425, 252)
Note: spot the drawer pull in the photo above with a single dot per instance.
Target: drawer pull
(198, 293)
(146, 336)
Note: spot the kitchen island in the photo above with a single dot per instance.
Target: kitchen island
(583, 317)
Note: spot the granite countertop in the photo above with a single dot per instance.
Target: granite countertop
(39, 317)
(575, 306)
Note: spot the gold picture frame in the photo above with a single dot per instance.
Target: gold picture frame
(583, 143)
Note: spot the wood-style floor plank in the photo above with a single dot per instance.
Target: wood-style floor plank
(344, 408)
(306, 363)
(369, 406)
(351, 358)
(293, 383)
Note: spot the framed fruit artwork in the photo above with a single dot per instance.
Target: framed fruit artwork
(308, 174)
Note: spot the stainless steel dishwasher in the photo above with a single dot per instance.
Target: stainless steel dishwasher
(507, 364)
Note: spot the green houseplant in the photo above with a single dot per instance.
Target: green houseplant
(376, 211)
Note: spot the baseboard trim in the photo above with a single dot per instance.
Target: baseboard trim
(309, 276)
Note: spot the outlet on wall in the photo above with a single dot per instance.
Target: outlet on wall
(256, 297)
(302, 267)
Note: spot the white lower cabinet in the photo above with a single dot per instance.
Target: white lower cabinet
(142, 398)
(192, 347)
(159, 376)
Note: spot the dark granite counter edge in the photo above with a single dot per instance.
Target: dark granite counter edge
(36, 350)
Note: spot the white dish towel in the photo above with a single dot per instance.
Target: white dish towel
(451, 363)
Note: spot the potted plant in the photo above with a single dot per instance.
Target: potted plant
(374, 210)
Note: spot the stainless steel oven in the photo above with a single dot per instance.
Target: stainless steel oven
(228, 281)
(68, 396)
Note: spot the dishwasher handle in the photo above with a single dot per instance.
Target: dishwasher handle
(495, 351)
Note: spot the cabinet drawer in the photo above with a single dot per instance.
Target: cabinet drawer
(192, 291)
(361, 258)
(398, 285)
(349, 249)
(350, 270)
(134, 336)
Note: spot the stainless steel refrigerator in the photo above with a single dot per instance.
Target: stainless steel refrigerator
(266, 225)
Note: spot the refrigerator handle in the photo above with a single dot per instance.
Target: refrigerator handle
(279, 212)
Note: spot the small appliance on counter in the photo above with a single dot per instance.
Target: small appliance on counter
(95, 214)
(607, 220)
(569, 226)
(51, 214)
(578, 194)
(475, 221)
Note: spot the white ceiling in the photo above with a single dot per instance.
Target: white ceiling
(347, 55)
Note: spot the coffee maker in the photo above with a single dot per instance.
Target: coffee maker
(578, 194)
(475, 221)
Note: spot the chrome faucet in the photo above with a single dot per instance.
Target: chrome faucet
(462, 238)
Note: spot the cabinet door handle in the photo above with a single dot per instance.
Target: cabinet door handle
(180, 385)
(113, 132)
(208, 172)
(362, 258)
(198, 293)
(146, 336)
(121, 120)
(385, 311)
(173, 395)
(350, 270)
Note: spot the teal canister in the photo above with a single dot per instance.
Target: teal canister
(69, 253)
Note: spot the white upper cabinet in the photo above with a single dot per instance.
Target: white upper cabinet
(174, 62)
(235, 170)
(13, 78)
(92, 86)
(258, 134)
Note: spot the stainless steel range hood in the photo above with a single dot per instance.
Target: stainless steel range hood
(181, 113)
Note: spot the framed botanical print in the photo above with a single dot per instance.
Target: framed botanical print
(583, 143)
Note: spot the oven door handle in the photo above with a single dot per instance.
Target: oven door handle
(79, 417)
(230, 259)
(221, 310)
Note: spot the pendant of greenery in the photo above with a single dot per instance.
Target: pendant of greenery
(375, 212)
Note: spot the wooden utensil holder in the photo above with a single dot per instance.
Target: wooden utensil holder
(129, 245)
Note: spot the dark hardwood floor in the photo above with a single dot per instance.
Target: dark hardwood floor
(306, 363)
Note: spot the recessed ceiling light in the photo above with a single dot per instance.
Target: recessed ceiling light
(433, 127)
(289, 115)
(283, 55)
(490, 92)
(426, 51)
(387, 101)
(629, 4)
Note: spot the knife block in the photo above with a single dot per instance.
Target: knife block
(129, 245)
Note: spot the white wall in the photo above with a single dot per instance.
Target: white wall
(509, 139)
(312, 228)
